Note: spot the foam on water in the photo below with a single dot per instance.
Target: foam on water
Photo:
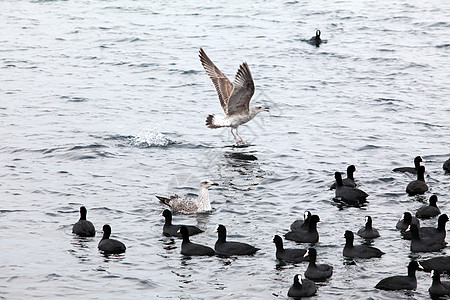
(149, 137)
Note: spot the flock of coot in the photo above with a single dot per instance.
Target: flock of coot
(423, 239)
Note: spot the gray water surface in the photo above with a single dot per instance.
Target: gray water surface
(104, 104)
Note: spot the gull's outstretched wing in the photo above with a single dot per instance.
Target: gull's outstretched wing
(222, 84)
(243, 89)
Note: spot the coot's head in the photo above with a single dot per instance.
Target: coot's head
(184, 232)
(277, 240)
(106, 231)
(312, 254)
(414, 265)
(351, 168)
(349, 235)
(433, 200)
(314, 219)
(418, 160)
(338, 178)
(83, 213)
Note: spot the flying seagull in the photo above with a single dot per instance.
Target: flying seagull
(234, 97)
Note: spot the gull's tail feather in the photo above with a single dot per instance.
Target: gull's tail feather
(210, 122)
(163, 200)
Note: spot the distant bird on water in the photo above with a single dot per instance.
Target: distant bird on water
(170, 229)
(430, 210)
(349, 181)
(302, 287)
(225, 248)
(368, 232)
(234, 97)
(401, 282)
(418, 186)
(83, 227)
(190, 205)
(446, 165)
(316, 40)
(110, 246)
(417, 161)
(348, 195)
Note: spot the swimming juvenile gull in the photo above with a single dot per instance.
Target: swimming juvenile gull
(190, 205)
(234, 97)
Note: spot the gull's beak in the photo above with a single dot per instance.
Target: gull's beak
(214, 183)
(266, 109)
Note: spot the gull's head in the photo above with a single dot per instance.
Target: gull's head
(207, 183)
(257, 109)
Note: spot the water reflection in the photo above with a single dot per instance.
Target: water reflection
(82, 247)
(203, 219)
(112, 257)
(243, 162)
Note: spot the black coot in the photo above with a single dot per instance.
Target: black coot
(418, 186)
(302, 287)
(446, 165)
(401, 282)
(438, 288)
(302, 224)
(419, 244)
(317, 272)
(368, 232)
(408, 219)
(431, 233)
(349, 181)
(359, 251)
(174, 230)
(417, 161)
(348, 195)
(440, 263)
(191, 249)
(429, 211)
(288, 255)
(306, 236)
(110, 246)
(225, 248)
(83, 227)
(316, 40)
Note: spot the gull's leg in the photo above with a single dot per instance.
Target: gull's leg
(235, 138)
(239, 136)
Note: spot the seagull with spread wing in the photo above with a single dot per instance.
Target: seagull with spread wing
(234, 97)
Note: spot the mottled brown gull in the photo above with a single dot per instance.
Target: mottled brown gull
(190, 205)
(234, 97)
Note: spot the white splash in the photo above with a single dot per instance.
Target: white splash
(149, 137)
